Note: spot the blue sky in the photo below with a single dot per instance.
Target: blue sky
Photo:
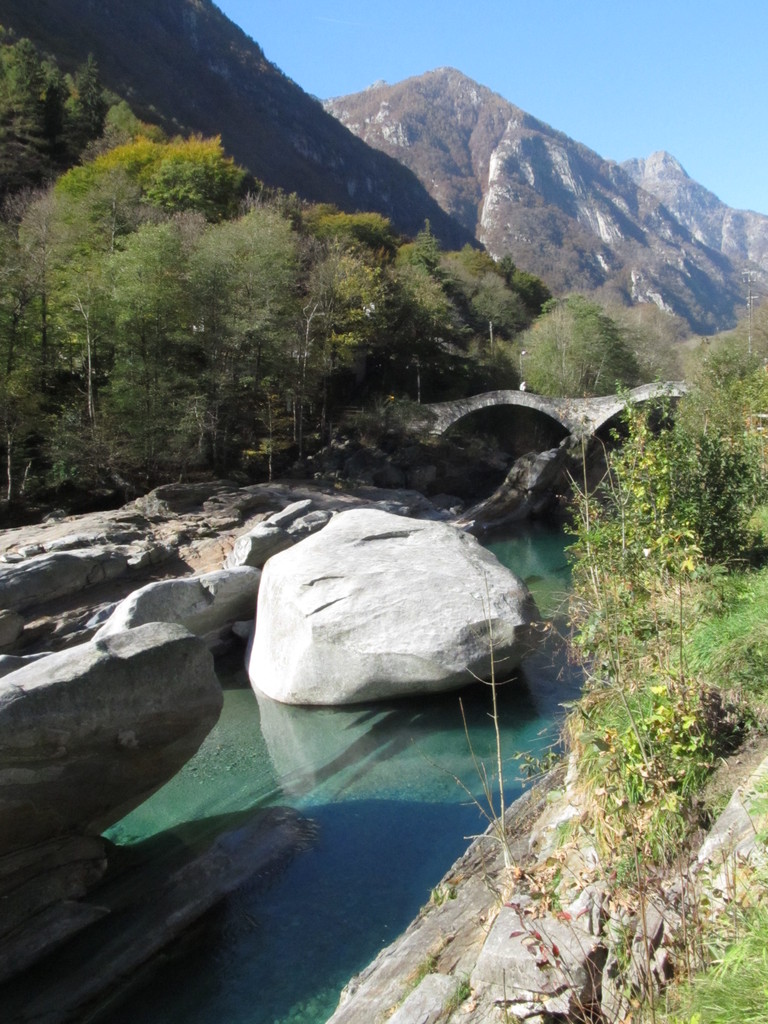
(625, 77)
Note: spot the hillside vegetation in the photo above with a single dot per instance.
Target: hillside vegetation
(669, 583)
(165, 313)
(183, 65)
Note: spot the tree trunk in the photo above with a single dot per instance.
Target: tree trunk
(8, 466)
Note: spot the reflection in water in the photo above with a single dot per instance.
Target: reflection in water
(346, 753)
(379, 784)
(537, 554)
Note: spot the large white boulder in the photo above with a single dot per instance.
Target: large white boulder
(377, 605)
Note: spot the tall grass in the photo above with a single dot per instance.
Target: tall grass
(735, 989)
(731, 647)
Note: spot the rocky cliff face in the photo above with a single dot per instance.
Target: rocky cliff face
(738, 234)
(558, 208)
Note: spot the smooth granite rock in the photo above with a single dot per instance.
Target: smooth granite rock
(87, 734)
(202, 604)
(45, 577)
(276, 534)
(377, 605)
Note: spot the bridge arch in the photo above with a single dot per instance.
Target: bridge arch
(576, 415)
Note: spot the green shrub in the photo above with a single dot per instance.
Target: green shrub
(718, 484)
(644, 753)
(670, 503)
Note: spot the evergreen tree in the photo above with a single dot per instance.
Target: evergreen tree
(86, 108)
(24, 145)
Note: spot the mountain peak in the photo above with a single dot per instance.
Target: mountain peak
(634, 232)
(663, 162)
(660, 166)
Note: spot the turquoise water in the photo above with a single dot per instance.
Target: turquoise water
(390, 791)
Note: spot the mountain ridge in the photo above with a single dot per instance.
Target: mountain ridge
(184, 64)
(437, 147)
(558, 208)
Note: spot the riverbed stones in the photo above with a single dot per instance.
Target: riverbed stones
(88, 733)
(278, 533)
(378, 605)
(202, 604)
(531, 486)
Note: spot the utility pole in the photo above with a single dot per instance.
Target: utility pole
(749, 277)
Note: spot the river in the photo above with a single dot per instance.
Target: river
(391, 795)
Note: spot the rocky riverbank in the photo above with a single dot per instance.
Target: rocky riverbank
(538, 939)
(543, 935)
(109, 621)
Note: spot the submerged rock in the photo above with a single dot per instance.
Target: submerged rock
(142, 910)
(377, 605)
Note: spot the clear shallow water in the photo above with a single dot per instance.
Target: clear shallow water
(379, 783)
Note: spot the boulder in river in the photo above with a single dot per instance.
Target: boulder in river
(87, 734)
(377, 605)
(202, 604)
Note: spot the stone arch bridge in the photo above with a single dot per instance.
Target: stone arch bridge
(580, 416)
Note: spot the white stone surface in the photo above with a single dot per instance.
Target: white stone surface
(377, 605)
(202, 604)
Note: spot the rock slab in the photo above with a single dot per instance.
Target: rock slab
(377, 605)
(202, 604)
(89, 733)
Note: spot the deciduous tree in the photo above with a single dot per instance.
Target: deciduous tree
(576, 349)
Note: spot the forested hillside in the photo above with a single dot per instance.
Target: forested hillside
(164, 313)
(47, 118)
(183, 65)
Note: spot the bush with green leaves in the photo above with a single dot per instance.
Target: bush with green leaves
(717, 486)
(576, 349)
(644, 753)
(672, 503)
